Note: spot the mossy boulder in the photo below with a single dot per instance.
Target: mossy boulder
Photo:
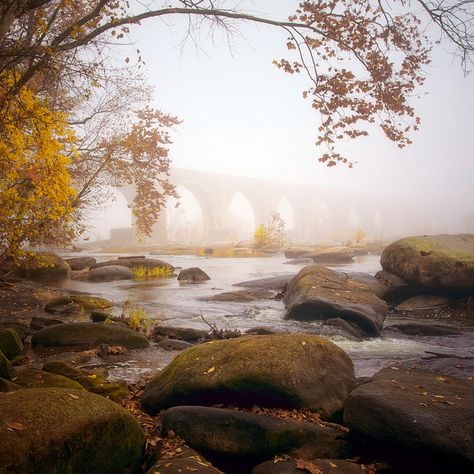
(107, 273)
(90, 334)
(36, 378)
(287, 370)
(193, 275)
(116, 391)
(10, 343)
(7, 371)
(250, 436)
(339, 254)
(437, 262)
(318, 293)
(44, 265)
(136, 263)
(80, 263)
(76, 303)
(67, 431)
(8, 386)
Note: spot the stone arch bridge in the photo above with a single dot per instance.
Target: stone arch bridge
(318, 214)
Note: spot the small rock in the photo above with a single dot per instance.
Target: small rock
(107, 273)
(80, 263)
(173, 345)
(39, 322)
(184, 334)
(242, 295)
(75, 303)
(193, 275)
(423, 303)
(10, 343)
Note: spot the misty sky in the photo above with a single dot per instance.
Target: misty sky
(242, 115)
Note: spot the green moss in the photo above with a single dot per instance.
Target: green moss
(10, 343)
(7, 371)
(86, 303)
(35, 378)
(67, 431)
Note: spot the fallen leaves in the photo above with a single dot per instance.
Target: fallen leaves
(308, 466)
(14, 426)
(73, 396)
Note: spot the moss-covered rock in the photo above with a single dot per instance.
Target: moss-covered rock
(10, 343)
(438, 262)
(90, 334)
(116, 391)
(7, 371)
(318, 293)
(8, 386)
(288, 370)
(76, 303)
(35, 378)
(107, 273)
(66, 431)
(251, 437)
(136, 263)
(44, 265)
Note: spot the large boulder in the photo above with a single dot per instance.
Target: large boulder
(34, 378)
(136, 263)
(396, 289)
(76, 303)
(438, 262)
(250, 436)
(44, 265)
(287, 370)
(414, 413)
(193, 275)
(423, 303)
(58, 430)
(80, 263)
(10, 343)
(271, 283)
(107, 273)
(317, 293)
(90, 334)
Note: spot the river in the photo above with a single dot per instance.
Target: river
(176, 304)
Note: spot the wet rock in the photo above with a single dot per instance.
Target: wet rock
(287, 370)
(187, 460)
(66, 430)
(320, 466)
(44, 265)
(422, 303)
(317, 293)
(80, 263)
(277, 283)
(415, 414)
(39, 322)
(76, 303)
(107, 273)
(184, 334)
(371, 282)
(193, 275)
(116, 391)
(424, 329)
(136, 263)
(250, 436)
(242, 295)
(173, 345)
(459, 367)
(100, 316)
(30, 377)
(6, 386)
(331, 255)
(90, 334)
(437, 262)
(7, 371)
(396, 289)
(10, 343)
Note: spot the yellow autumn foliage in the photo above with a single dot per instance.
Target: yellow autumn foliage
(36, 196)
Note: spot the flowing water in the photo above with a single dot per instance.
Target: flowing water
(177, 304)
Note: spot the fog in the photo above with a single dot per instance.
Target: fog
(241, 116)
